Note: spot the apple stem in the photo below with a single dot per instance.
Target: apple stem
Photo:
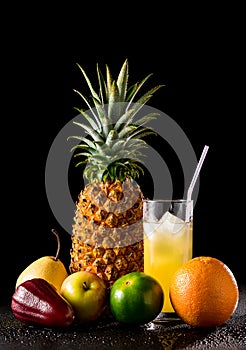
(58, 243)
(85, 286)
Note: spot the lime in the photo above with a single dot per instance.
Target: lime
(136, 298)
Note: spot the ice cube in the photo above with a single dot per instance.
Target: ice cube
(150, 228)
(164, 217)
(171, 223)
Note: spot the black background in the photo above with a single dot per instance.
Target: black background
(197, 54)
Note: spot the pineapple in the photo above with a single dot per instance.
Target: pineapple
(107, 235)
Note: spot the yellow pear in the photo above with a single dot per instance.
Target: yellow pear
(50, 268)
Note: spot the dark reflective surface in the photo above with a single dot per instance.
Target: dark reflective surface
(108, 334)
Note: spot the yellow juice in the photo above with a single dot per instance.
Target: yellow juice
(167, 245)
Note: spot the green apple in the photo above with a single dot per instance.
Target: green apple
(87, 293)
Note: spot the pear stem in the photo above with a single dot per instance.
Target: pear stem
(58, 243)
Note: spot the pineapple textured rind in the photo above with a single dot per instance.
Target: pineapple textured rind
(108, 243)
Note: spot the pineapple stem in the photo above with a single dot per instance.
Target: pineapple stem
(58, 243)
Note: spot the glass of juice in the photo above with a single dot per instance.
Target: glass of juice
(168, 238)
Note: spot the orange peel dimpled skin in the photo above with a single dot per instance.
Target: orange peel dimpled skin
(204, 292)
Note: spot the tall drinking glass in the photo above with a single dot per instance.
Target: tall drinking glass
(168, 242)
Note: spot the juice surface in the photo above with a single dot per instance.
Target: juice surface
(167, 246)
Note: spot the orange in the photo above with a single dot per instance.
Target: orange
(204, 292)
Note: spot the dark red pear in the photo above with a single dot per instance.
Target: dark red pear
(37, 302)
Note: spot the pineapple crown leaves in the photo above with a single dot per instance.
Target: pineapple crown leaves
(114, 131)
